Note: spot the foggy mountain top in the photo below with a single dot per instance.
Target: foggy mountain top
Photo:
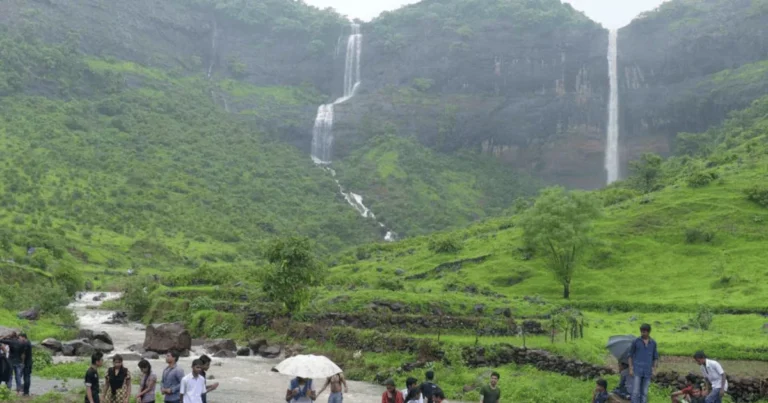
(610, 13)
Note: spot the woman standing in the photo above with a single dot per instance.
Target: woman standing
(118, 385)
(148, 383)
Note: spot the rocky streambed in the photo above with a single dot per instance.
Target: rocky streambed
(244, 379)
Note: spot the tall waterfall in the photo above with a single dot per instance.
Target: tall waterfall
(612, 141)
(322, 132)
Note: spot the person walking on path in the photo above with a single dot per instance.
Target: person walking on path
(172, 376)
(118, 382)
(15, 356)
(148, 383)
(392, 395)
(491, 392)
(27, 353)
(335, 382)
(713, 371)
(92, 379)
(643, 359)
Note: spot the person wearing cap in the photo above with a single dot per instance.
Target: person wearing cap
(714, 373)
(392, 395)
(643, 359)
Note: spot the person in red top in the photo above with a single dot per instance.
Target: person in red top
(392, 395)
(685, 394)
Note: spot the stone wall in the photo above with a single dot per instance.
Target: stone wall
(740, 389)
(502, 354)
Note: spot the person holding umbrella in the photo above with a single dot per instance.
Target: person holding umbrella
(305, 368)
(643, 360)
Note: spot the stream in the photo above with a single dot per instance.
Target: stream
(242, 379)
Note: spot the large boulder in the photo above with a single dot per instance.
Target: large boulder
(255, 345)
(225, 354)
(214, 346)
(80, 348)
(85, 334)
(51, 344)
(29, 314)
(6, 332)
(162, 338)
(102, 346)
(67, 350)
(150, 355)
(243, 352)
(270, 351)
(102, 336)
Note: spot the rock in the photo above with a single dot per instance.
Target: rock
(150, 355)
(162, 338)
(78, 348)
(270, 351)
(85, 334)
(30, 314)
(137, 348)
(7, 332)
(117, 318)
(185, 353)
(255, 345)
(399, 272)
(102, 336)
(130, 357)
(479, 308)
(101, 346)
(211, 377)
(51, 344)
(198, 342)
(67, 350)
(225, 354)
(214, 346)
(243, 352)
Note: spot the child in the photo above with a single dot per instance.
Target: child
(697, 395)
(600, 395)
(686, 392)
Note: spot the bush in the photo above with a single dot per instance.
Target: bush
(69, 278)
(701, 179)
(703, 318)
(758, 194)
(137, 299)
(201, 304)
(391, 284)
(695, 235)
(445, 245)
(41, 358)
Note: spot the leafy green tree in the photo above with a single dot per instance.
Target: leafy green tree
(558, 225)
(646, 172)
(293, 273)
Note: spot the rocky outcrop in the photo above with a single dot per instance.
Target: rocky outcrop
(79, 348)
(51, 344)
(214, 346)
(162, 338)
(270, 351)
(7, 332)
(29, 314)
(502, 354)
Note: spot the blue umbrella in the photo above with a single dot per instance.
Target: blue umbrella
(619, 346)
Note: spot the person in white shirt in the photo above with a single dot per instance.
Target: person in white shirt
(713, 371)
(193, 385)
(412, 392)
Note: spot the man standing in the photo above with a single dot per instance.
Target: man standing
(92, 378)
(412, 394)
(335, 382)
(27, 353)
(643, 359)
(172, 377)
(193, 385)
(713, 371)
(491, 392)
(205, 365)
(15, 356)
(429, 388)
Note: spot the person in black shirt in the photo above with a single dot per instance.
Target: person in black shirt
(27, 353)
(92, 379)
(429, 388)
(16, 351)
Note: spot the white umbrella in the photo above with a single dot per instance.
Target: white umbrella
(308, 366)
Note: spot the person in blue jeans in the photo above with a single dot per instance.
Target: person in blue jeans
(16, 349)
(643, 359)
(714, 373)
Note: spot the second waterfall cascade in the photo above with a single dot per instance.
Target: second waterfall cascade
(612, 138)
(322, 132)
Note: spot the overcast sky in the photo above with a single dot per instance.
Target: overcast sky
(610, 13)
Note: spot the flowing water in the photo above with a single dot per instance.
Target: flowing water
(612, 141)
(242, 379)
(322, 131)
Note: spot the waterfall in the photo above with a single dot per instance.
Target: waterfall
(322, 131)
(612, 141)
(213, 49)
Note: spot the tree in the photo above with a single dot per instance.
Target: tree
(294, 271)
(558, 225)
(646, 172)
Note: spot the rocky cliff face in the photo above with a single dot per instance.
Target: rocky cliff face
(527, 85)
(684, 66)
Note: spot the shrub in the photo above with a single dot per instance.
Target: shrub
(701, 179)
(446, 244)
(695, 235)
(69, 278)
(758, 194)
(201, 304)
(617, 195)
(390, 284)
(703, 318)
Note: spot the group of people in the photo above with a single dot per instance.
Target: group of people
(300, 390)
(175, 386)
(642, 363)
(16, 362)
